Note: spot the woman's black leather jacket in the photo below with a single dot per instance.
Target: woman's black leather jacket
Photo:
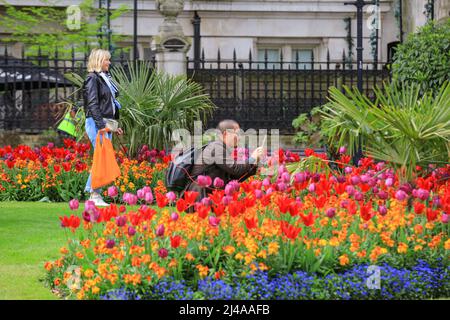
(98, 100)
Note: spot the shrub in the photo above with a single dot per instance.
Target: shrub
(424, 58)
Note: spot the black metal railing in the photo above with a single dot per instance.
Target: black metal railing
(270, 94)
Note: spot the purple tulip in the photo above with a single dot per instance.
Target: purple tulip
(382, 210)
(163, 253)
(86, 216)
(121, 221)
(131, 231)
(350, 190)
(74, 204)
(110, 243)
(148, 197)
(113, 192)
(437, 202)
(160, 230)
(174, 216)
(358, 196)
(344, 203)
(214, 221)
(300, 177)
(316, 177)
(331, 212)
(341, 179)
(423, 194)
(400, 195)
(383, 195)
(218, 183)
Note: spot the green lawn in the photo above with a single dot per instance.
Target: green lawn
(30, 234)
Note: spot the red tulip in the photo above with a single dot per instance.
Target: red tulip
(251, 223)
(289, 230)
(175, 241)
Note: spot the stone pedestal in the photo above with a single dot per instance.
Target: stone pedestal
(171, 45)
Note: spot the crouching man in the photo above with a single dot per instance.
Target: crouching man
(216, 161)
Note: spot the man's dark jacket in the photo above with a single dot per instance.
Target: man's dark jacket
(98, 100)
(216, 161)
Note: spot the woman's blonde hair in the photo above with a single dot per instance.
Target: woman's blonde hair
(96, 59)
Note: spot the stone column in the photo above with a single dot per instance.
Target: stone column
(171, 44)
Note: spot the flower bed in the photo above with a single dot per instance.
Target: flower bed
(315, 223)
(420, 282)
(60, 174)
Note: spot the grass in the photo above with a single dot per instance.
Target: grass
(30, 235)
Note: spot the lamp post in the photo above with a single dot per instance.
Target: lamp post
(135, 53)
(359, 4)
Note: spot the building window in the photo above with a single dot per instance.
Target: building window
(302, 59)
(273, 58)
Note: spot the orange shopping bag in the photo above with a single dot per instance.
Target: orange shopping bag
(104, 166)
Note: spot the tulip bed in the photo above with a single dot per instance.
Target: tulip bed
(60, 174)
(299, 235)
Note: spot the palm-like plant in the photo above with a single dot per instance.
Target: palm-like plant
(401, 126)
(155, 104)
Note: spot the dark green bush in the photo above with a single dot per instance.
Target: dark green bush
(424, 57)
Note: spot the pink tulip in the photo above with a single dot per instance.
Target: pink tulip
(445, 218)
(204, 181)
(300, 177)
(74, 204)
(258, 194)
(348, 170)
(206, 202)
(355, 180)
(171, 196)
(148, 197)
(383, 195)
(389, 182)
(364, 178)
(269, 191)
(229, 189)
(147, 189)
(423, 194)
(266, 183)
(312, 187)
(140, 194)
(214, 221)
(286, 177)
(174, 216)
(282, 186)
(218, 183)
(113, 192)
(400, 195)
(89, 206)
(342, 150)
(226, 200)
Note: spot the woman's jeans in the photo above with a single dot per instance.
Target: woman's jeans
(92, 131)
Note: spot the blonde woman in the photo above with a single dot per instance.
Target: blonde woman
(100, 104)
